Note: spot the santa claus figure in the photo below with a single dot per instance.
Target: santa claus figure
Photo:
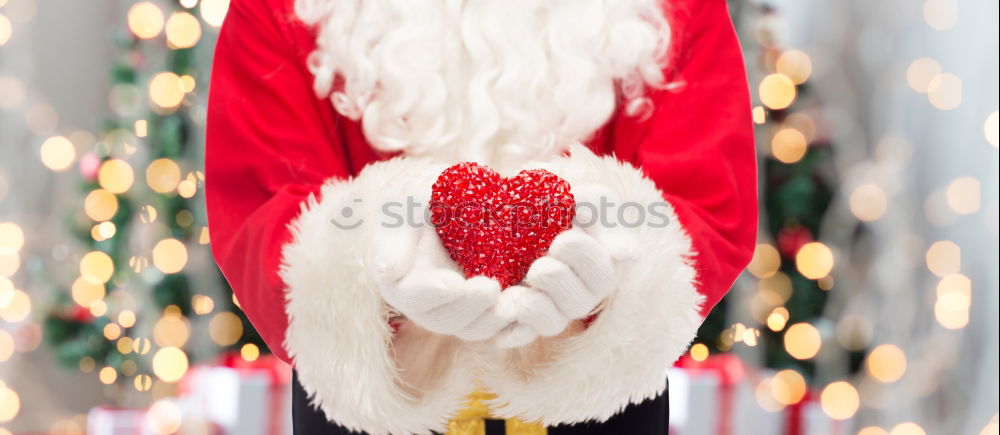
(329, 123)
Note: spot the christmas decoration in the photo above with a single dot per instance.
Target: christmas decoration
(142, 220)
(496, 226)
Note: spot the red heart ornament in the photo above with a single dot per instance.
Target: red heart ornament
(495, 226)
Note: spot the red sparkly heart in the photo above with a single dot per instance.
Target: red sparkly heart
(495, 226)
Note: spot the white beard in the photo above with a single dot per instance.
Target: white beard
(493, 81)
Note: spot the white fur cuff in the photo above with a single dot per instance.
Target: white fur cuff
(646, 324)
(350, 363)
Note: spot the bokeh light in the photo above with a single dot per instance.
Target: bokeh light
(814, 260)
(789, 145)
(796, 65)
(991, 128)
(183, 30)
(945, 91)
(699, 352)
(58, 153)
(145, 20)
(840, 400)
(115, 176)
(100, 205)
(964, 195)
(250, 352)
(170, 255)
(170, 364)
(162, 175)
(164, 417)
(788, 387)
(225, 328)
(214, 11)
(10, 404)
(97, 267)
(166, 90)
(776, 91)
(85, 292)
(11, 238)
(941, 14)
(802, 341)
(920, 73)
(886, 363)
(868, 202)
(944, 258)
(18, 308)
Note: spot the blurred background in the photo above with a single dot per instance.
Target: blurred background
(871, 305)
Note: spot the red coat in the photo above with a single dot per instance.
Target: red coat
(271, 143)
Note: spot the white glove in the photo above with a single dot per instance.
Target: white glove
(420, 281)
(581, 269)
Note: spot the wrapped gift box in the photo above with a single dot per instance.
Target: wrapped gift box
(240, 397)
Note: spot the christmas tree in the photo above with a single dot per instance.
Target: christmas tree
(147, 290)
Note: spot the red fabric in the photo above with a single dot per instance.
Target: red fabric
(271, 143)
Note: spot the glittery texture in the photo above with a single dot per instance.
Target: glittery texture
(495, 226)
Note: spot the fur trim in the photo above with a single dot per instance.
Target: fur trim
(347, 357)
(645, 325)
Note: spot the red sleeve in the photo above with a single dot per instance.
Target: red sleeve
(698, 144)
(270, 144)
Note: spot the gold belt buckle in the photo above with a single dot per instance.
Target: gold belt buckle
(471, 420)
